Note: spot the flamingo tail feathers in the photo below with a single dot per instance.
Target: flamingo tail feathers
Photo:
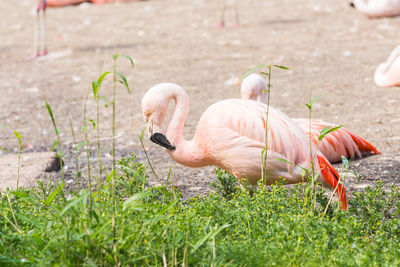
(365, 147)
(331, 177)
(343, 142)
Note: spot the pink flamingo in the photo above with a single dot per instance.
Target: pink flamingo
(388, 74)
(333, 146)
(377, 8)
(40, 27)
(231, 135)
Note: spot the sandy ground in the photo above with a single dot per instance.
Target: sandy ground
(332, 51)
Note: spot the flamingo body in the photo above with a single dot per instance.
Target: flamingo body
(378, 8)
(388, 74)
(231, 135)
(333, 146)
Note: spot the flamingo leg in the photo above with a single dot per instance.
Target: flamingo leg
(39, 35)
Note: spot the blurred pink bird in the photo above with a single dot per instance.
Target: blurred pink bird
(388, 74)
(231, 135)
(333, 146)
(377, 8)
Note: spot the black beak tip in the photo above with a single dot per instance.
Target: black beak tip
(161, 140)
(352, 5)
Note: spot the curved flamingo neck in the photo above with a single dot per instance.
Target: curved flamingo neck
(175, 126)
(393, 56)
(186, 151)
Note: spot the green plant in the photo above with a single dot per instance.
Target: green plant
(264, 152)
(226, 184)
(96, 94)
(77, 148)
(18, 135)
(269, 227)
(58, 140)
(312, 175)
(125, 83)
(136, 173)
(88, 154)
(147, 156)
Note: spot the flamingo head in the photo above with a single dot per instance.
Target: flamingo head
(154, 109)
(252, 87)
(382, 74)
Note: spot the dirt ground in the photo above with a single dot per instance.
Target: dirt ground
(331, 49)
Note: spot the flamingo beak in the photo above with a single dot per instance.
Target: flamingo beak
(161, 140)
(157, 137)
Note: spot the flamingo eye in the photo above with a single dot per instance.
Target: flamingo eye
(147, 112)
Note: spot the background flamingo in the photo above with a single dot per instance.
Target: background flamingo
(40, 25)
(231, 135)
(333, 146)
(388, 74)
(377, 8)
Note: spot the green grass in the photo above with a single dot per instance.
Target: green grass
(48, 226)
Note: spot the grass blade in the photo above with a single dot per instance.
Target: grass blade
(328, 130)
(51, 116)
(134, 202)
(280, 67)
(252, 70)
(130, 59)
(73, 203)
(210, 235)
(124, 81)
